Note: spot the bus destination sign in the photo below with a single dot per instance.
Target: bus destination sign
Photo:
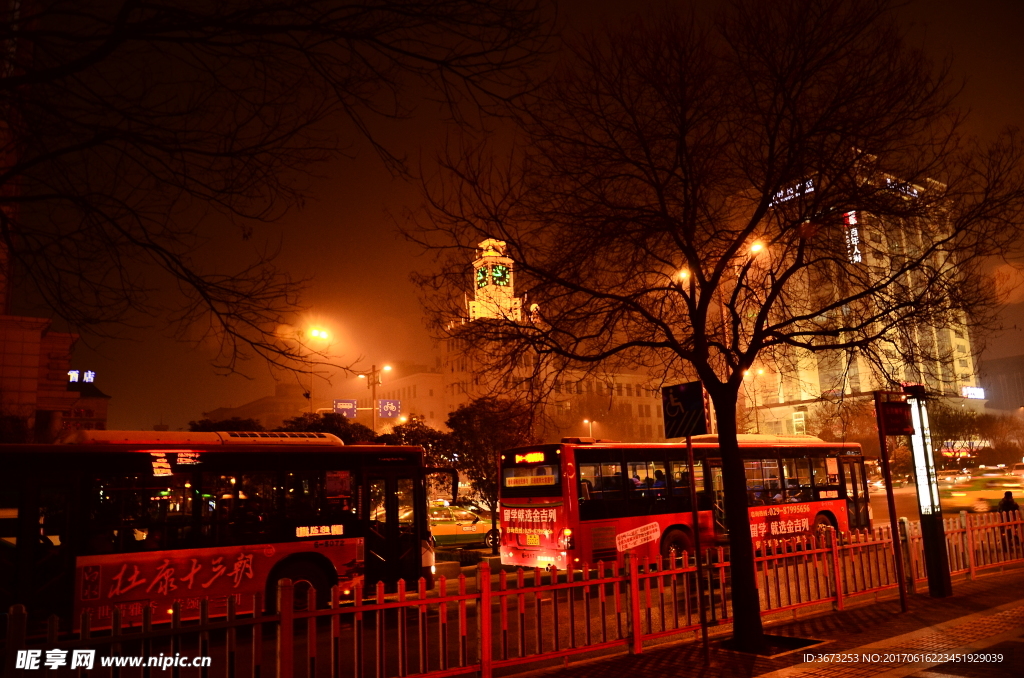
(529, 481)
(530, 458)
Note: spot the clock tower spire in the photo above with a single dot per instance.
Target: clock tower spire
(493, 284)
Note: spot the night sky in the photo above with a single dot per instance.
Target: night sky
(345, 239)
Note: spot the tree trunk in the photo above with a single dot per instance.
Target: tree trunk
(748, 633)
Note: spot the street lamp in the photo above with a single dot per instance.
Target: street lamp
(590, 423)
(372, 379)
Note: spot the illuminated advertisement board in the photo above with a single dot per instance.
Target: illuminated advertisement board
(924, 464)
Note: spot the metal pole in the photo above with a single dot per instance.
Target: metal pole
(700, 555)
(373, 398)
(894, 524)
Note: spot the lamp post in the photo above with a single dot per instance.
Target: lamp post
(321, 335)
(590, 423)
(372, 379)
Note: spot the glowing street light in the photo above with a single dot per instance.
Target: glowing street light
(318, 333)
(590, 423)
(756, 247)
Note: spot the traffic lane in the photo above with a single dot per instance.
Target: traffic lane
(906, 505)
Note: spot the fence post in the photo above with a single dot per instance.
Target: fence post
(285, 628)
(908, 555)
(17, 620)
(486, 645)
(635, 629)
(837, 575)
(965, 522)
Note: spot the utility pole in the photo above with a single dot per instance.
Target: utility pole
(373, 377)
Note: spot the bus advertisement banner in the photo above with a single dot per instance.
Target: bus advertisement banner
(629, 539)
(131, 582)
(791, 520)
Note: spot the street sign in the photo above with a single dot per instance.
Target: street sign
(346, 408)
(389, 409)
(684, 410)
(896, 418)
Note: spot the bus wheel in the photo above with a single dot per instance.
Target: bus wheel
(492, 538)
(675, 542)
(821, 522)
(304, 576)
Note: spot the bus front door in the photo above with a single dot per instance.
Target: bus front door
(392, 547)
(856, 494)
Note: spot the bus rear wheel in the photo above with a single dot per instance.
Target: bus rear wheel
(675, 542)
(821, 522)
(492, 538)
(304, 576)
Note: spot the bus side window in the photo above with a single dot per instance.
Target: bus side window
(681, 485)
(825, 476)
(772, 481)
(798, 479)
(600, 490)
(756, 492)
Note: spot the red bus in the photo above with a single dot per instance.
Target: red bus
(137, 519)
(585, 501)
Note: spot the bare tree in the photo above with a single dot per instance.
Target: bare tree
(129, 126)
(683, 195)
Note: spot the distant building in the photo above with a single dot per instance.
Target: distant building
(287, 402)
(89, 411)
(779, 393)
(610, 405)
(34, 364)
(1003, 381)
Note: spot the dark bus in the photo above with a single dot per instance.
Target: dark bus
(136, 519)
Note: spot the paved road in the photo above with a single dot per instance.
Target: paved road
(906, 505)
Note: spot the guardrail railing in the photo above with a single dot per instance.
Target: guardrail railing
(504, 619)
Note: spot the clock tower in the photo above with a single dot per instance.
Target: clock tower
(493, 288)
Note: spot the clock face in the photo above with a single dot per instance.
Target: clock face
(481, 276)
(501, 275)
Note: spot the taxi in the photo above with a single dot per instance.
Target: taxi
(455, 526)
(980, 494)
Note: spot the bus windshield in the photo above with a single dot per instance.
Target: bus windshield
(531, 473)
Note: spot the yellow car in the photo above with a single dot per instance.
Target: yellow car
(455, 526)
(980, 494)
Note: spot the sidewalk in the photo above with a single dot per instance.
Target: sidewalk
(983, 617)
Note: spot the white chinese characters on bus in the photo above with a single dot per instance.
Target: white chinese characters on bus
(319, 530)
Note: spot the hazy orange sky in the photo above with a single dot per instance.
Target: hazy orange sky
(345, 240)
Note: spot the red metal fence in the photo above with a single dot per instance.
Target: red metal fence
(503, 619)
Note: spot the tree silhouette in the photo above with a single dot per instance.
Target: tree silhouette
(128, 128)
(481, 431)
(786, 181)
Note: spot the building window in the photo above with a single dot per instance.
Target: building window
(431, 395)
(960, 348)
(963, 363)
(958, 334)
(799, 423)
(629, 390)
(618, 389)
